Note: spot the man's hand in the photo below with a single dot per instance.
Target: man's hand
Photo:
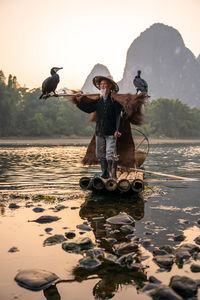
(79, 97)
(117, 134)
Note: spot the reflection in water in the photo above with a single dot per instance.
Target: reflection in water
(96, 209)
(52, 293)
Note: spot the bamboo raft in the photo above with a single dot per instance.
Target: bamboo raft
(127, 182)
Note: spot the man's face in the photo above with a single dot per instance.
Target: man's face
(104, 85)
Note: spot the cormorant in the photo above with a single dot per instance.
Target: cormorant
(139, 83)
(50, 84)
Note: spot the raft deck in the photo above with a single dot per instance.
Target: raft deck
(126, 182)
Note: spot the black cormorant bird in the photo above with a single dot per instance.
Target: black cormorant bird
(139, 83)
(50, 84)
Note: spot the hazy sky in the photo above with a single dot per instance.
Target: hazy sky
(77, 34)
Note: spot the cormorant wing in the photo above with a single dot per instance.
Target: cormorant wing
(140, 84)
(49, 85)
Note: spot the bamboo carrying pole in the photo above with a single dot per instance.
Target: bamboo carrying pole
(77, 94)
(166, 175)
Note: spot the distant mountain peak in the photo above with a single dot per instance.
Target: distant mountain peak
(171, 69)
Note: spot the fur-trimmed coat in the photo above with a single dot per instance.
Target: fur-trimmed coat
(132, 106)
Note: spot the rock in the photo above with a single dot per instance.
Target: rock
(198, 282)
(38, 209)
(179, 238)
(111, 240)
(146, 243)
(46, 219)
(189, 247)
(130, 236)
(164, 292)
(182, 254)
(159, 252)
(13, 206)
(148, 233)
(85, 243)
(121, 219)
(14, 196)
(127, 228)
(84, 227)
(89, 263)
(110, 257)
(137, 267)
(29, 205)
(78, 245)
(126, 259)
(125, 248)
(48, 229)
(71, 247)
(61, 199)
(13, 249)
(195, 267)
(165, 261)
(169, 249)
(36, 279)
(59, 207)
(149, 287)
(153, 279)
(70, 234)
(198, 221)
(184, 286)
(55, 239)
(95, 253)
(197, 240)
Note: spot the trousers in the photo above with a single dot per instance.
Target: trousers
(105, 147)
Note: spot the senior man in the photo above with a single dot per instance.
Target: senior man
(109, 123)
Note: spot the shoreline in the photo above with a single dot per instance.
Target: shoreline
(84, 141)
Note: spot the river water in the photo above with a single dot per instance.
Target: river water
(47, 176)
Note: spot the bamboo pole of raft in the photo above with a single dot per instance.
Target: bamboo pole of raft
(138, 184)
(131, 176)
(98, 184)
(84, 182)
(123, 175)
(123, 183)
(165, 175)
(118, 173)
(110, 184)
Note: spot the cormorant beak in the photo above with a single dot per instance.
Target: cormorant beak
(57, 69)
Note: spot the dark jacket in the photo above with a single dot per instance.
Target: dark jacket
(107, 115)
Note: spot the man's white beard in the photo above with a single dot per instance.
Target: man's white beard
(103, 92)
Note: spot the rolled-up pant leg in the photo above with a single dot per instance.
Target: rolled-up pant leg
(105, 147)
(101, 147)
(110, 147)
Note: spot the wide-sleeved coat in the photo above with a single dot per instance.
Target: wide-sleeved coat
(132, 107)
(108, 119)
